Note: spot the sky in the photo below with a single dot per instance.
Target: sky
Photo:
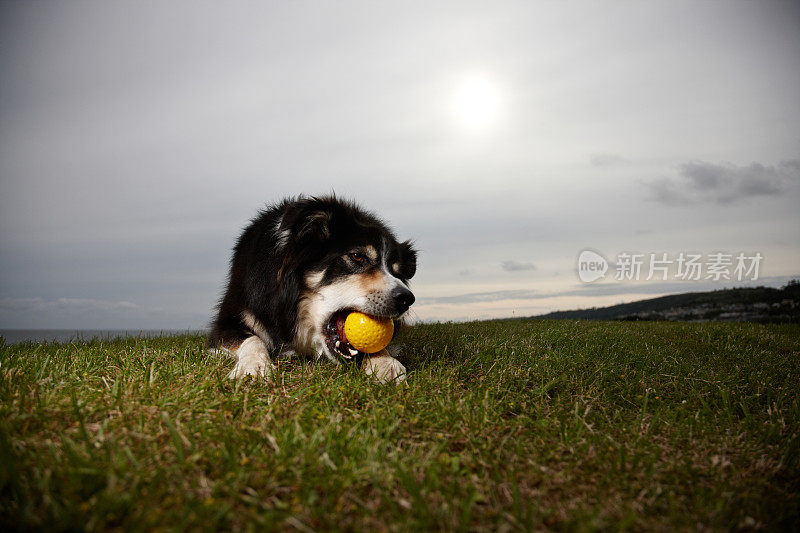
(137, 139)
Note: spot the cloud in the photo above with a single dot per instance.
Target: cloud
(40, 305)
(221, 125)
(71, 313)
(723, 184)
(608, 160)
(476, 297)
(525, 294)
(515, 266)
(632, 289)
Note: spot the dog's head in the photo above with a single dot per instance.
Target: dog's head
(343, 259)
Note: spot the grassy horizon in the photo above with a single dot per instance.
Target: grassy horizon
(503, 425)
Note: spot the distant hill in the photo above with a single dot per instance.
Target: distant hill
(757, 304)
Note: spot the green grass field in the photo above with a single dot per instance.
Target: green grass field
(503, 425)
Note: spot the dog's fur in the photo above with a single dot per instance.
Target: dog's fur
(296, 269)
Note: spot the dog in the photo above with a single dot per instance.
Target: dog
(297, 270)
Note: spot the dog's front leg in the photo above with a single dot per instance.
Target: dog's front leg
(252, 359)
(384, 367)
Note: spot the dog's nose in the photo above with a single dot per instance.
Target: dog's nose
(403, 298)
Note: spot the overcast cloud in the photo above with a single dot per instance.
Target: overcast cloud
(137, 139)
(707, 182)
(608, 160)
(515, 266)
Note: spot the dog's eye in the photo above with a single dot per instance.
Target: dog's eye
(357, 257)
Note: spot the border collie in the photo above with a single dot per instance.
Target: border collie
(297, 270)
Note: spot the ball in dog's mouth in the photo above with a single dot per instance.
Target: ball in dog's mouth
(337, 340)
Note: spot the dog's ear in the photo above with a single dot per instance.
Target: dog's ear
(303, 226)
(315, 224)
(408, 260)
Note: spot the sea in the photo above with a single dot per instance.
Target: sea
(16, 336)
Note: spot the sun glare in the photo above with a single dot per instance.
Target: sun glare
(476, 103)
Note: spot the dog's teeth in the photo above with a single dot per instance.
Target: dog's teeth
(338, 343)
(353, 351)
(346, 356)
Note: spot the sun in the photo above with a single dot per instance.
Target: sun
(476, 103)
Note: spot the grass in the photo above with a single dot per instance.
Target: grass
(504, 425)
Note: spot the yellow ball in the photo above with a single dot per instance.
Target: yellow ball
(366, 333)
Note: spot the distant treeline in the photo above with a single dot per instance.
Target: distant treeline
(757, 304)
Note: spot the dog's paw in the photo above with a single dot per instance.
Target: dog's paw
(385, 369)
(252, 359)
(253, 366)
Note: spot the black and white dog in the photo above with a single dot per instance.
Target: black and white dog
(297, 270)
